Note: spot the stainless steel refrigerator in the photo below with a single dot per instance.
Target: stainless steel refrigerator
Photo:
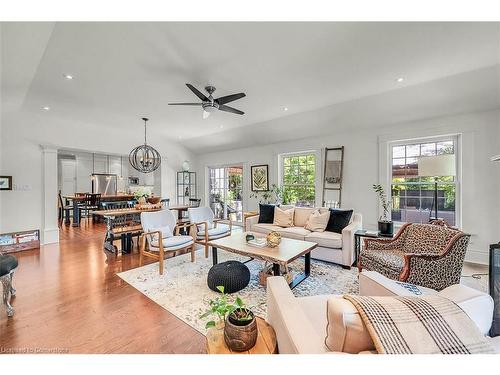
(105, 184)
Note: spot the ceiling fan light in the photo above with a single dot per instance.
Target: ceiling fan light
(206, 114)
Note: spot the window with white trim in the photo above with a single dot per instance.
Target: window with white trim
(413, 195)
(298, 179)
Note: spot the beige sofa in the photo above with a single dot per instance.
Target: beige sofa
(332, 247)
(328, 323)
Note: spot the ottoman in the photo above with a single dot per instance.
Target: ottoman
(232, 275)
(8, 264)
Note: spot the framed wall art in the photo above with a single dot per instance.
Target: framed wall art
(5, 182)
(260, 177)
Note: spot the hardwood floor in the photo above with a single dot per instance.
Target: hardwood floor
(69, 299)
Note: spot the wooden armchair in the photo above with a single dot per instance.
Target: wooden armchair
(161, 235)
(205, 227)
(429, 255)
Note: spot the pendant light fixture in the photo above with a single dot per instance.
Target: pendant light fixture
(144, 158)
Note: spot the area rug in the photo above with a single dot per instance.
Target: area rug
(183, 290)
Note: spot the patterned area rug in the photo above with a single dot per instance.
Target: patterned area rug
(183, 290)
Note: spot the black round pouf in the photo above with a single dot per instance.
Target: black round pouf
(232, 275)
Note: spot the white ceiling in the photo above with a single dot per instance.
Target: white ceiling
(128, 70)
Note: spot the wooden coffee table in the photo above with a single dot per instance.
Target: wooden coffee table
(266, 341)
(283, 254)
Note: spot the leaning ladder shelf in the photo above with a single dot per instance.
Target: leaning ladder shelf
(334, 173)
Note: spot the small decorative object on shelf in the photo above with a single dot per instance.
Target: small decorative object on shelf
(249, 237)
(273, 239)
(385, 225)
(186, 187)
(240, 326)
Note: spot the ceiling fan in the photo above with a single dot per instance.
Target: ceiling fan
(209, 104)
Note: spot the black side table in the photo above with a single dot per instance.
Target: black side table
(357, 241)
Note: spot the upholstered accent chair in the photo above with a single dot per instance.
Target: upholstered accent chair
(429, 255)
(204, 226)
(161, 235)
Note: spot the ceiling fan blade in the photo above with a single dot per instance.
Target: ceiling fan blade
(184, 103)
(226, 108)
(230, 98)
(197, 92)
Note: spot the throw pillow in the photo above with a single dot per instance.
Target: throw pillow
(339, 219)
(283, 218)
(317, 221)
(266, 213)
(166, 232)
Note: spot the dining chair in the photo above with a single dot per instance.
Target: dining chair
(92, 202)
(161, 235)
(63, 210)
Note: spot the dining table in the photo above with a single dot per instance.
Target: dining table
(123, 223)
(126, 223)
(76, 200)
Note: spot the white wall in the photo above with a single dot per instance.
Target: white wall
(480, 134)
(21, 157)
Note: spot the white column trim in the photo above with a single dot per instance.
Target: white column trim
(50, 228)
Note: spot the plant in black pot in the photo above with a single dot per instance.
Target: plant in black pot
(385, 225)
(240, 326)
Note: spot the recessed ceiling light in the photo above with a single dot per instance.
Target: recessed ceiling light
(285, 109)
(68, 76)
(180, 137)
(400, 79)
(46, 108)
(222, 126)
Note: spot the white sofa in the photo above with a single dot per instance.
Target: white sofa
(329, 323)
(332, 247)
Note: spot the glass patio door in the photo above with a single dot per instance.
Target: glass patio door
(226, 190)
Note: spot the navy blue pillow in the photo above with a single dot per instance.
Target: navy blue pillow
(339, 219)
(266, 213)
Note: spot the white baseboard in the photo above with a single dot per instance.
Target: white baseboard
(50, 236)
(477, 256)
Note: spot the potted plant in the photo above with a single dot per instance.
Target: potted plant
(240, 326)
(141, 195)
(385, 225)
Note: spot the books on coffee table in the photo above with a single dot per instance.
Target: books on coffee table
(258, 242)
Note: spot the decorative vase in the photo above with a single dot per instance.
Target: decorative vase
(273, 239)
(185, 166)
(249, 237)
(386, 228)
(141, 200)
(240, 336)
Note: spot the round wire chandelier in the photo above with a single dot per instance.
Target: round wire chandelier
(144, 158)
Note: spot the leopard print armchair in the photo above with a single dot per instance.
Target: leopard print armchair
(431, 255)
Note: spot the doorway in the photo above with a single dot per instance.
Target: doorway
(226, 191)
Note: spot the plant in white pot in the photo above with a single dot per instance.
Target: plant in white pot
(385, 224)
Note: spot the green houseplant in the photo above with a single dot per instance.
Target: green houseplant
(240, 326)
(385, 224)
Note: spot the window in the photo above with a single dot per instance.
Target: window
(413, 195)
(298, 179)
